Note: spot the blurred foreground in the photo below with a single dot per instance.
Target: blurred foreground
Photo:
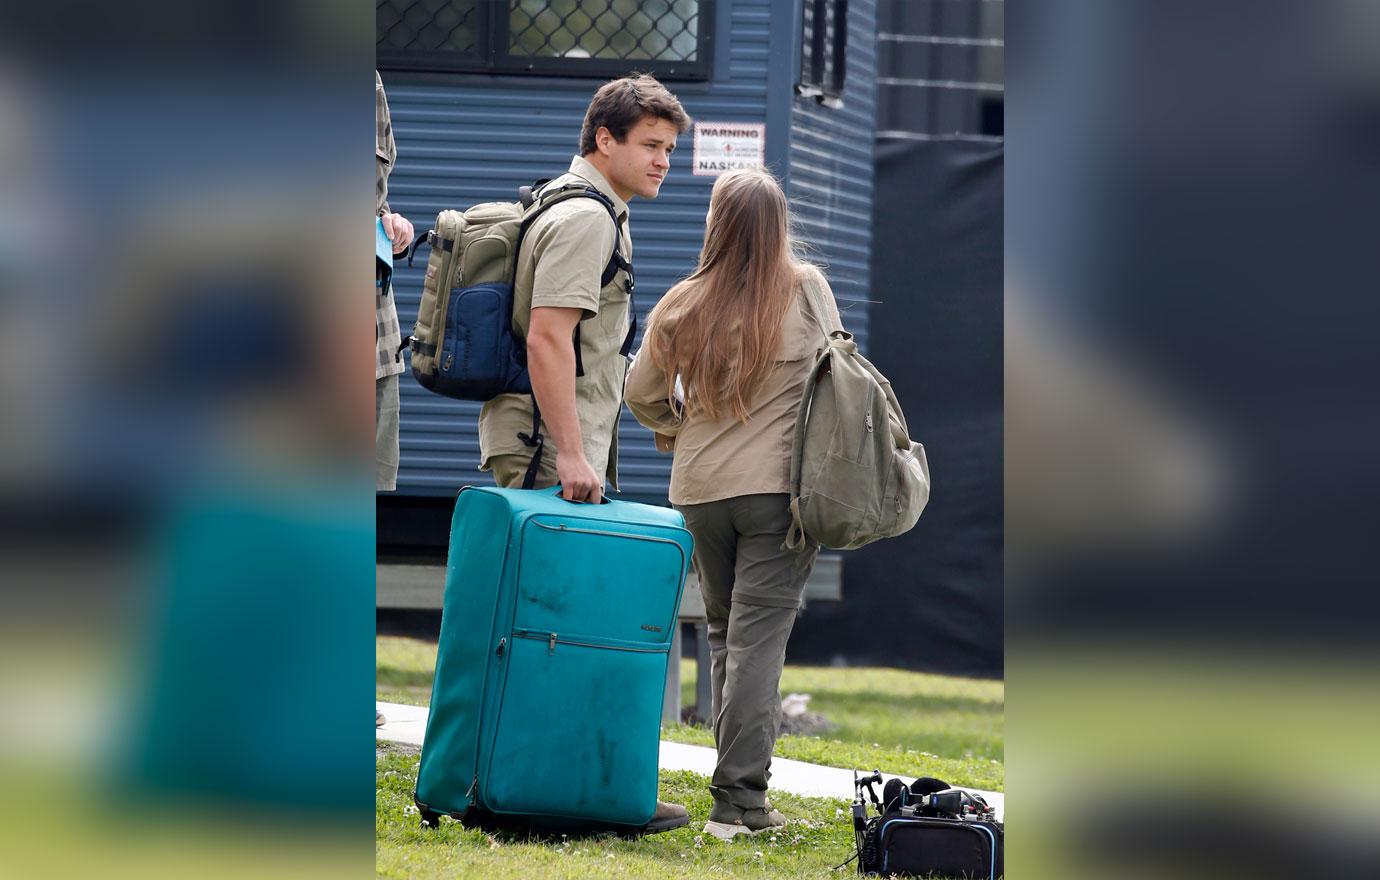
(1191, 439)
(186, 452)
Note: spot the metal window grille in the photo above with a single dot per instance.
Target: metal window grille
(668, 38)
(822, 61)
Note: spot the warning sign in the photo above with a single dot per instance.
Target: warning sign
(724, 146)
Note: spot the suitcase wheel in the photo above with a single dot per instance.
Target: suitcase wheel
(430, 818)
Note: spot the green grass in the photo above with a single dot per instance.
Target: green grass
(404, 669)
(817, 837)
(896, 721)
(899, 722)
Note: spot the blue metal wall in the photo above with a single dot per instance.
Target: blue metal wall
(464, 139)
(831, 171)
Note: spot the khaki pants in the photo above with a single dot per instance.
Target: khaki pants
(752, 591)
(508, 470)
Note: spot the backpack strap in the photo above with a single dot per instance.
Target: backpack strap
(535, 199)
(542, 199)
(795, 535)
(814, 299)
(433, 239)
(537, 442)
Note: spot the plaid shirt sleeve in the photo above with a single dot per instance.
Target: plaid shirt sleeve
(388, 358)
(385, 151)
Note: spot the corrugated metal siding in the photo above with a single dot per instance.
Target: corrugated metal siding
(831, 171)
(464, 139)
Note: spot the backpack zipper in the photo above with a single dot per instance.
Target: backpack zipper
(867, 423)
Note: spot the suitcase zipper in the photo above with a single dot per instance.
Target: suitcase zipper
(552, 640)
(562, 527)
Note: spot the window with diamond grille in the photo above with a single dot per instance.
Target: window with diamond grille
(822, 63)
(668, 38)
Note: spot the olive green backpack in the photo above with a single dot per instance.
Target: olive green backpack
(856, 476)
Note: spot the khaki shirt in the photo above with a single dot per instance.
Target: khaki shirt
(563, 257)
(726, 458)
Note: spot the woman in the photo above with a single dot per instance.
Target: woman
(740, 336)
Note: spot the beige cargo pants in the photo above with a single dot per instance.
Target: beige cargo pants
(752, 592)
(508, 470)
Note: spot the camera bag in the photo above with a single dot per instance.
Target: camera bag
(927, 829)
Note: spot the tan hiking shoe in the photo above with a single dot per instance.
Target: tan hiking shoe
(666, 818)
(726, 823)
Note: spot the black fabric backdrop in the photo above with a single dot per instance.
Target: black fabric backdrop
(932, 599)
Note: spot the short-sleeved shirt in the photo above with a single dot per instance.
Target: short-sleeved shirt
(561, 263)
(388, 335)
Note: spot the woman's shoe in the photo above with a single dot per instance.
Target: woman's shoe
(727, 823)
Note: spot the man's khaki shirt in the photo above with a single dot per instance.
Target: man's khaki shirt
(563, 257)
(726, 458)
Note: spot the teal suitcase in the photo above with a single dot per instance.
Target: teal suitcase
(551, 669)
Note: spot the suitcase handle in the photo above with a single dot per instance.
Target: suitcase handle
(556, 492)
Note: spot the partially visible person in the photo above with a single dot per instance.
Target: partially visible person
(388, 362)
(740, 337)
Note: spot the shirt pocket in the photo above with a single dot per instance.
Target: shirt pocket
(611, 324)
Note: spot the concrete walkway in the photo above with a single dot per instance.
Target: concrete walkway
(407, 724)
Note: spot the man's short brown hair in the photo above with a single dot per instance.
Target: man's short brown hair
(621, 103)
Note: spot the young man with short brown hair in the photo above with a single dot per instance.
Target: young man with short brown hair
(626, 142)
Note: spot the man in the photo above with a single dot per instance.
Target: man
(388, 363)
(626, 143)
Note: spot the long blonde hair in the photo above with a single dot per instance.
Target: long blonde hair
(719, 328)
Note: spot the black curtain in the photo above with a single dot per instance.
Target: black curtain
(932, 599)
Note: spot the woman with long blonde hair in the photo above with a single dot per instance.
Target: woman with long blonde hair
(722, 369)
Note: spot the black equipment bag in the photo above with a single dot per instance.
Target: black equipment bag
(924, 846)
(927, 829)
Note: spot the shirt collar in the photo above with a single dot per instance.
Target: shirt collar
(584, 168)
